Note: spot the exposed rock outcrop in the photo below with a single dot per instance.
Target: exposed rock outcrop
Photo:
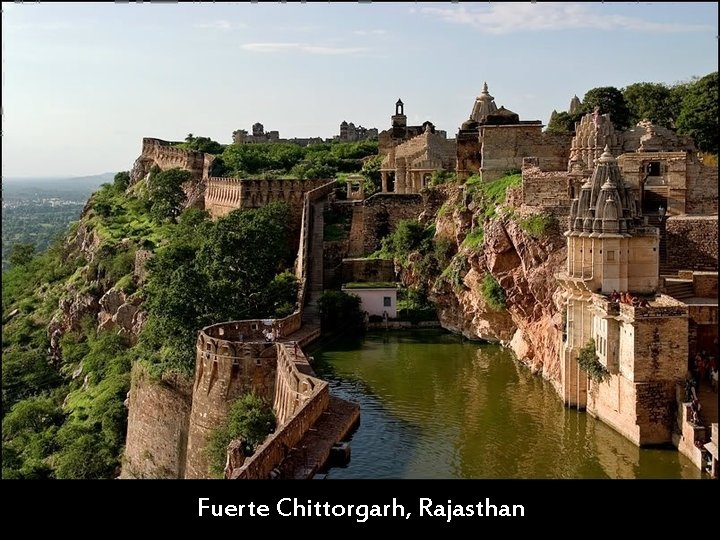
(524, 266)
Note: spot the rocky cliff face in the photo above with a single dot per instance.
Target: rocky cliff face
(524, 266)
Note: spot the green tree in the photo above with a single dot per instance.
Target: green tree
(650, 101)
(21, 254)
(371, 171)
(563, 122)
(203, 144)
(121, 181)
(698, 115)
(610, 100)
(340, 311)
(249, 418)
(166, 195)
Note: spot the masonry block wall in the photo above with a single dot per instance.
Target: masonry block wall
(158, 419)
(544, 188)
(224, 371)
(692, 242)
(702, 189)
(383, 211)
(504, 147)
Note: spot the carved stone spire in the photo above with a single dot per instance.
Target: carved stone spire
(484, 105)
(604, 205)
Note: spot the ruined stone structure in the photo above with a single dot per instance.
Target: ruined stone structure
(225, 194)
(349, 132)
(400, 131)
(259, 136)
(643, 349)
(167, 155)
(494, 140)
(408, 167)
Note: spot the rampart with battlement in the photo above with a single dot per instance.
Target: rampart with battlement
(224, 194)
(300, 400)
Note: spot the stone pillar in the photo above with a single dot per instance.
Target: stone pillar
(400, 177)
(383, 180)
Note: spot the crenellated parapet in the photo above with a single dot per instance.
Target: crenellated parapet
(225, 194)
(166, 155)
(300, 401)
(237, 357)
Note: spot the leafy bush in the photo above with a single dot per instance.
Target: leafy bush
(166, 195)
(441, 177)
(536, 225)
(249, 418)
(493, 293)
(339, 310)
(589, 362)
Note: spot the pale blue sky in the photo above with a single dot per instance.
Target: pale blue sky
(83, 83)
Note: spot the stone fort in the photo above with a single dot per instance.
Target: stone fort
(640, 213)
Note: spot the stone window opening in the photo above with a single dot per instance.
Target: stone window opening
(653, 168)
(387, 301)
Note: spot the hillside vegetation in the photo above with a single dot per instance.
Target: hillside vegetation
(63, 413)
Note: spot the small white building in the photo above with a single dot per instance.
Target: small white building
(375, 298)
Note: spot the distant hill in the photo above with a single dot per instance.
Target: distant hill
(35, 210)
(57, 185)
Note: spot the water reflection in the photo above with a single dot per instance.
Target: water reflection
(436, 406)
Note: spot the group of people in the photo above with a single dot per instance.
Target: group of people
(628, 298)
(270, 335)
(706, 369)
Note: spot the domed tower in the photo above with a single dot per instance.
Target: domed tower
(610, 250)
(483, 106)
(634, 341)
(604, 221)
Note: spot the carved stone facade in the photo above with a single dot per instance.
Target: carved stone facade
(643, 346)
(408, 167)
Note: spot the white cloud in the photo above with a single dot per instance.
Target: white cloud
(301, 47)
(377, 32)
(220, 24)
(504, 18)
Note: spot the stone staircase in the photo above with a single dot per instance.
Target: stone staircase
(311, 313)
(356, 245)
(665, 268)
(679, 289)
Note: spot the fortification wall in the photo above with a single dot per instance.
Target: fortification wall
(692, 242)
(166, 156)
(702, 189)
(224, 194)
(157, 432)
(300, 399)
(383, 211)
(224, 370)
(544, 188)
(504, 147)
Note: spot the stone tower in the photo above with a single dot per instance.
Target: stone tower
(399, 121)
(642, 346)
(575, 105)
(483, 106)
(225, 369)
